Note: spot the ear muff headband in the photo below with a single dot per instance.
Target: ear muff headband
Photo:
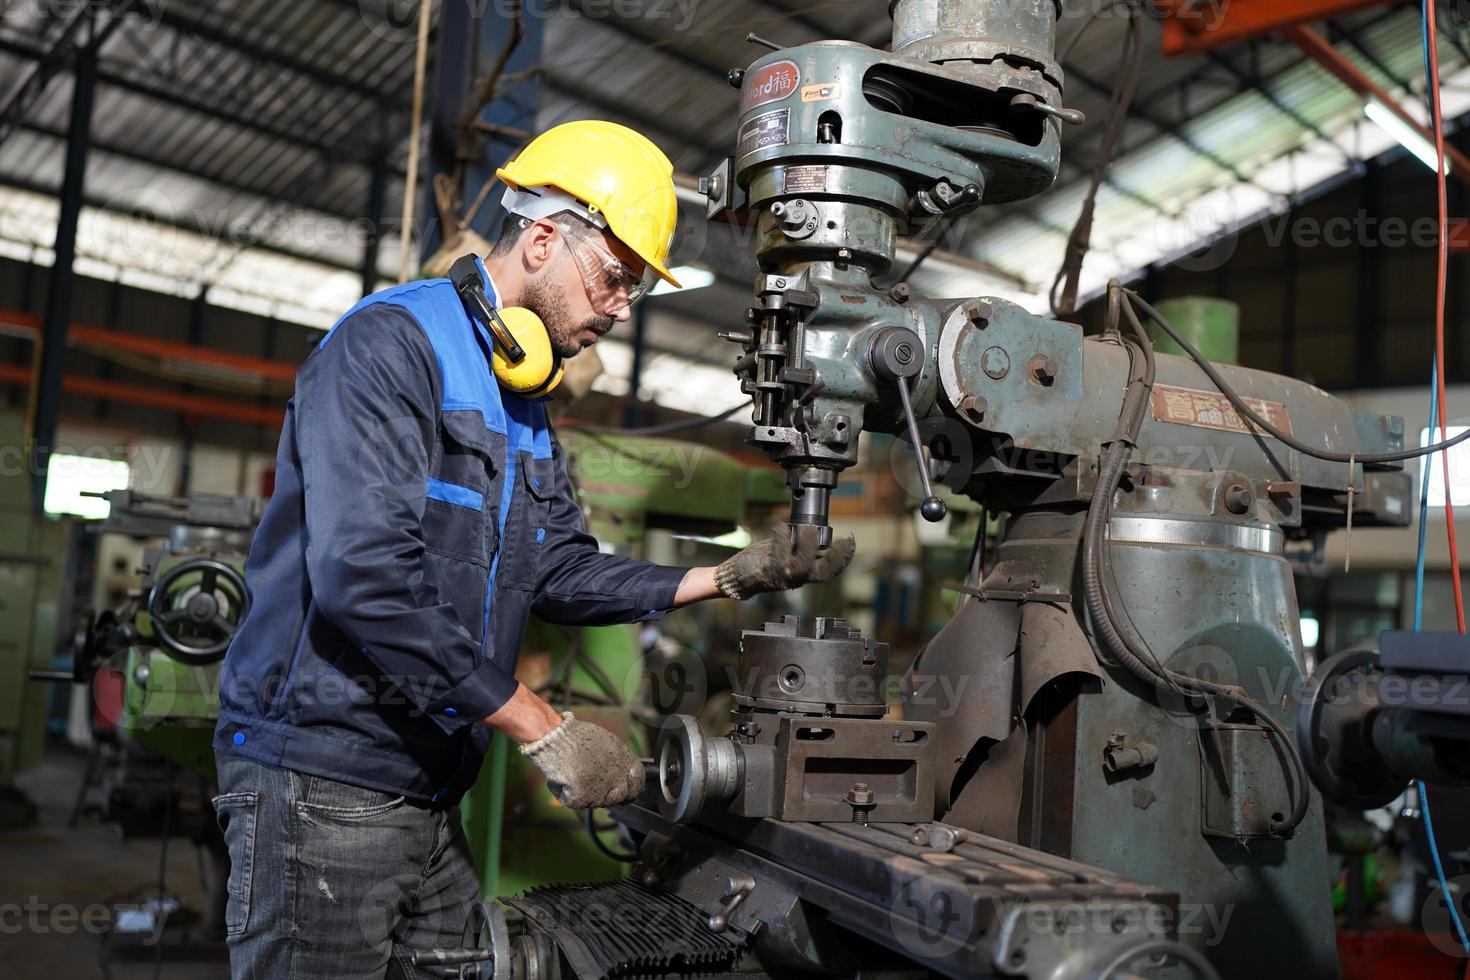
(521, 356)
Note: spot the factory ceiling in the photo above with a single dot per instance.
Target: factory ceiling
(235, 145)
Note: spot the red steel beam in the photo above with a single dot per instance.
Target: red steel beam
(198, 406)
(1190, 27)
(87, 333)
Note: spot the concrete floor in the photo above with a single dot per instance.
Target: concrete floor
(54, 881)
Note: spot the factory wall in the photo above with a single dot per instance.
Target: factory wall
(1396, 547)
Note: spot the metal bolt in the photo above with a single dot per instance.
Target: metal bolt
(844, 255)
(1238, 498)
(900, 293)
(1043, 369)
(777, 208)
(860, 795)
(977, 312)
(974, 407)
(903, 353)
(780, 283)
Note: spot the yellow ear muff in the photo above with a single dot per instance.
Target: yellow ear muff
(540, 370)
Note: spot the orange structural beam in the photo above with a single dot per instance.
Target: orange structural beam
(85, 333)
(1192, 26)
(199, 406)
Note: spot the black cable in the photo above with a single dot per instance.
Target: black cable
(1255, 418)
(601, 846)
(657, 430)
(1104, 609)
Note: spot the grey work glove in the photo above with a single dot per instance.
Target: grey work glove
(586, 765)
(783, 560)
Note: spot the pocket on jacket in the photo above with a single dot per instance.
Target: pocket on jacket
(235, 813)
(525, 532)
(456, 524)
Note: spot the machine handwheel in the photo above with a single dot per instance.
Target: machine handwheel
(1332, 733)
(196, 607)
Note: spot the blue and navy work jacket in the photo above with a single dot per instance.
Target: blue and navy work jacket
(421, 514)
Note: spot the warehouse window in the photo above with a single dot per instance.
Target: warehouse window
(1311, 631)
(1459, 469)
(69, 480)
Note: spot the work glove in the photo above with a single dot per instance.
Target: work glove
(790, 556)
(586, 765)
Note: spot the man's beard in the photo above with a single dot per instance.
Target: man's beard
(551, 306)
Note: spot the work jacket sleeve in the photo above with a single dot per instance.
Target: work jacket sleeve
(580, 585)
(366, 416)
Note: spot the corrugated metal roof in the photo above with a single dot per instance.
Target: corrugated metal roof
(253, 125)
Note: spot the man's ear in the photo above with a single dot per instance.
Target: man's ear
(538, 242)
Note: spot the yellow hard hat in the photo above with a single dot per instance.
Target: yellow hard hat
(623, 181)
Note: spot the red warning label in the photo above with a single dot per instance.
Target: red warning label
(769, 83)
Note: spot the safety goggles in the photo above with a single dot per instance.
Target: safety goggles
(612, 284)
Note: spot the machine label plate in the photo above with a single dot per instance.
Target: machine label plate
(769, 84)
(805, 180)
(820, 92)
(1212, 410)
(766, 129)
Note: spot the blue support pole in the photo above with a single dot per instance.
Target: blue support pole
(47, 390)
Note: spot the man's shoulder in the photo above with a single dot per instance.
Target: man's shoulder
(412, 305)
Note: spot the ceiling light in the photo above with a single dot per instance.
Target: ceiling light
(692, 276)
(1409, 137)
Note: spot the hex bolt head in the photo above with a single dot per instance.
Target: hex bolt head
(860, 795)
(974, 407)
(900, 292)
(977, 312)
(1043, 369)
(1238, 498)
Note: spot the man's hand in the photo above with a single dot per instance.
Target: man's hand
(788, 557)
(586, 765)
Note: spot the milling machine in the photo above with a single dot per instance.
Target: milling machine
(1046, 806)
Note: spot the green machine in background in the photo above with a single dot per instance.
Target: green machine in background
(168, 639)
(32, 579)
(631, 489)
(151, 668)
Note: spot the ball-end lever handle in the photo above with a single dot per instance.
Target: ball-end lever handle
(932, 509)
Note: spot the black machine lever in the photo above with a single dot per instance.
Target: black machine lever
(896, 355)
(932, 509)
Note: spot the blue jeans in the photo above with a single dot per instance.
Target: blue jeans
(332, 880)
